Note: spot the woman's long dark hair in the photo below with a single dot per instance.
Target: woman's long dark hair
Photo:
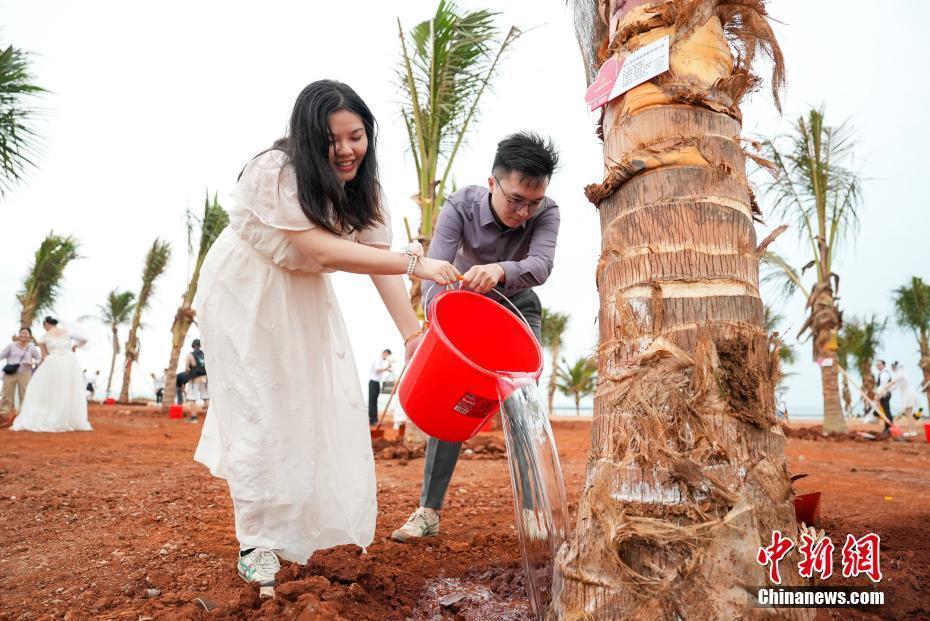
(323, 198)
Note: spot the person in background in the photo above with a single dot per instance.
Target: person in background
(158, 381)
(91, 384)
(883, 393)
(197, 388)
(909, 400)
(379, 367)
(55, 400)
(19, 358)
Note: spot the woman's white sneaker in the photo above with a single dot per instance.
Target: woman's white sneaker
(259, 565)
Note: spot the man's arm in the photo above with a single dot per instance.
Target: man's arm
(447, 237)
(534, 270)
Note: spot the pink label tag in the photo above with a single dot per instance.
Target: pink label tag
(474, 406)
(598, 93)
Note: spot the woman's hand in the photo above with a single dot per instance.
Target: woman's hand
(411, 347)
(440, 272)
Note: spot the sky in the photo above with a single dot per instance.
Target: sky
(152, 105)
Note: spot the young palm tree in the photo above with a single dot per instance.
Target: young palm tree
(214, 221)
(443, 73)
(817, 189)
(43, 281)
(18, 138)
(862, 339)
(156, 260)
(771, 321)
(115, 313)
(912, 306)
(686, 474)
(577, 380)
(553, 327)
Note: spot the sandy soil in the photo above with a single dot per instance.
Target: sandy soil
(120, 523)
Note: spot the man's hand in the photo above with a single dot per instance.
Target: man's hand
(483, 278)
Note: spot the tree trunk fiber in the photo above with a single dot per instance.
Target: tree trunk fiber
(833, 421)
(553, 384)
(847, 397)
(131, 354)
(687, 475)
(925, 367)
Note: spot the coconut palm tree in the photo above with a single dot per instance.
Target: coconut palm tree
(156, 261)
(445, 69)
(114, 313)
(686, 471)
(577, 380)
(553, 327)
(43, 280)
(817, 189)
(211, 225)
(912, 307)
(19, 141)
(862, 338)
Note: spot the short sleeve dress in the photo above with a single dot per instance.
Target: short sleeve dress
(287, 425)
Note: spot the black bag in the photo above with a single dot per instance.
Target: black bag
(201, 368)
(11, 369)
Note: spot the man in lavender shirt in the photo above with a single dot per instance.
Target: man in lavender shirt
(500, 237)
(22, 354)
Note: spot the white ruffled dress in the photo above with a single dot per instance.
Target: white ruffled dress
(287, 425)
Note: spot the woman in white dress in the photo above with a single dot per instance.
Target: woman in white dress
(55, 399)
(287, 425)
(909, 399)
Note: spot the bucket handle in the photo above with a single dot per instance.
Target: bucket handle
(501, 295)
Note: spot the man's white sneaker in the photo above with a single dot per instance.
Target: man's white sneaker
(260, 565)
(422, 523)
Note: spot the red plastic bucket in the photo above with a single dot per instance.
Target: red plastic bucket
(449, 389)
(176, 411)
(807, 508)
(927, 431)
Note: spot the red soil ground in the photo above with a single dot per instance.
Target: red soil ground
(121, 524)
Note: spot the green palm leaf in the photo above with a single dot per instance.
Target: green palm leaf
(42, 283)
(19, 141)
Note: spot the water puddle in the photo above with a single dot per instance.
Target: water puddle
(473, 599)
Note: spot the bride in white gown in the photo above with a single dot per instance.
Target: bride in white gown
(55, 399)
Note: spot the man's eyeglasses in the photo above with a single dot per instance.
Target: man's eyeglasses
(517, 205)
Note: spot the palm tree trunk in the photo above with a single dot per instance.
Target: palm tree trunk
(847, 397)
(687, 472)
(833, 421)
(553, 383)
(925, 367)
(179, 329)
(577, 406)
(113, 360)
(27, 316)
(131, 354)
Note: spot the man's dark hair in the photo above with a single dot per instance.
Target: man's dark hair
(195, 343)
(526, 153)
(387, 351)
(882, 361)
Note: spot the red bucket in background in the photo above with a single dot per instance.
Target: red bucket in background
(176, 411)
(110, 401)
(927, 431)
(807, 508)
(449, 389)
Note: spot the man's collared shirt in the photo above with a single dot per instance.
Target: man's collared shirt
(468, 234)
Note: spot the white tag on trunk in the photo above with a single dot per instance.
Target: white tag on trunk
(644, 64)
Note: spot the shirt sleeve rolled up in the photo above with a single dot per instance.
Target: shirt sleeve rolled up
(534, 270)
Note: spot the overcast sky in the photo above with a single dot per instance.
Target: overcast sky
(153, 104)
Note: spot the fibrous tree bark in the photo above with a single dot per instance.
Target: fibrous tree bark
(687, 475)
